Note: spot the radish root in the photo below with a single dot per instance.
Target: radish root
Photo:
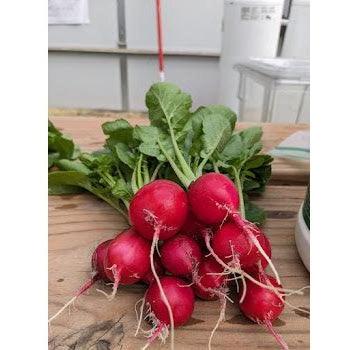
(249, 228)
(277, 336)
(220, 319)
(87, 285)
(164, 298)
(243, 273)
(139, 318)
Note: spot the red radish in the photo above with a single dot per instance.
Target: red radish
(180, 255)
(149, 277)
(180, 297)
(158, 211)
(193, 228)
(233, 246)
(127, 259)
(263, 306)
(98, 273)
(210, 282)
(265, 244)
(159, 206)
(213, 198)
(98, 259)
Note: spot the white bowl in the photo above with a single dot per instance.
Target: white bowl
(302, 239)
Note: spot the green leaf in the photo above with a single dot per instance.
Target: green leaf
(216, 132)
(119, 131)
(253, 212)
(61, 144)
(225, 112)
(166, 104)
(70, 178)
(52, 157)
(258, 161)
(122, 190)
(251, 136)
(64, 189)
(149, 137)
(233, 150)
(72, 165)
(125, 155)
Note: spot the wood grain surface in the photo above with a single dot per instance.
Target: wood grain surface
(77, 223)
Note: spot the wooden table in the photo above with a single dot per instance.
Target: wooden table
(78, 222)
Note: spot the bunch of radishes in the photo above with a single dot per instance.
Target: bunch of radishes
(190, 243)
(186, 240)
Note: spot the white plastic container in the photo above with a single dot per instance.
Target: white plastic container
(274, 90)
(296, 42)
(250, 29)
(302, 231)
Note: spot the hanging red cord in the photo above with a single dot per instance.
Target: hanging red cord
(160, 42)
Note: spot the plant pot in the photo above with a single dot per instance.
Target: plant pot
(302, 231)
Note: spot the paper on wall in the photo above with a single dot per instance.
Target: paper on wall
(68, 12)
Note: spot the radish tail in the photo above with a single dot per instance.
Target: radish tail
(139, 317)
(116, 277)
(164, 298)
(88, 284)
(241, 272)
(157, 333)
(277, 336)
(248, 228)
(220, 319)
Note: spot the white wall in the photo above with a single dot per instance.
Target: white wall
(101, 32)
(84, 81)
(188, 26)
(198, 76)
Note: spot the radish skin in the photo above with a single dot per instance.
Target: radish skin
(127, 259)
(158, 211)
(263, 306)
(180, 255)
(181, 299)
(213, 199)
(149, 277)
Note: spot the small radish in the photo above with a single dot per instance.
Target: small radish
(181, 300)
(263, 306)
(213, 198)
(233, 246)
(127, 259)
(180, 255)
(98, 259)
(149, 277)
(210, 282)
(98, 273)
(158, 211)
(160, 206)
(193, 228)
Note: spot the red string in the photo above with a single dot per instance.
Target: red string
(160, 39)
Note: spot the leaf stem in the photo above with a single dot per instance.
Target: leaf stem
(139, 173)
(155, 171)
(182, 177)
(146, 176)
(185, 167)
(215, 165)
(133, 181)
(240, 191)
